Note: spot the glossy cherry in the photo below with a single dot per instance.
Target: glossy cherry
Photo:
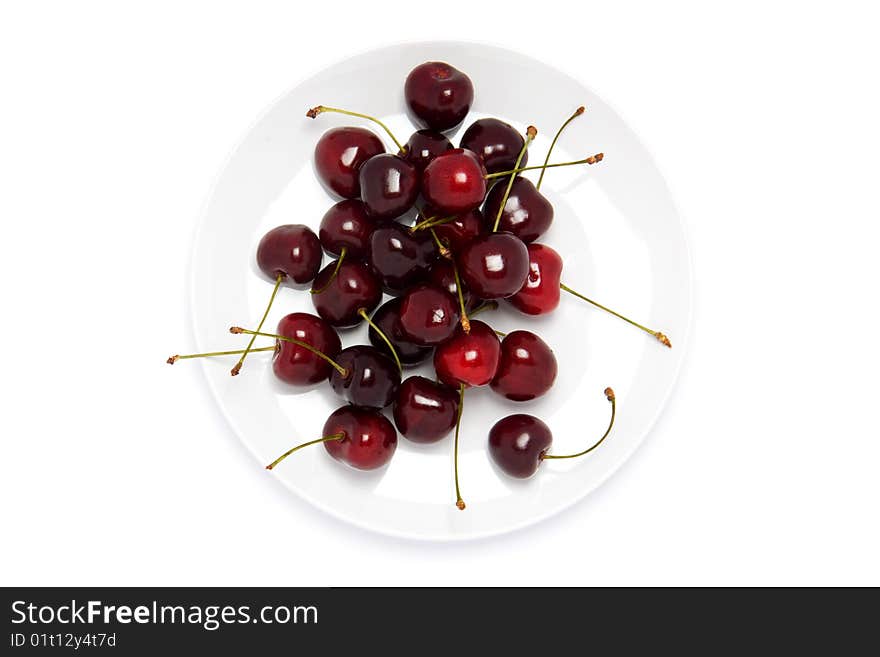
(527, 212)
(298, 365)
(454, 182)
(360, 437)
(438, 95)
(371, 378)
(291, 251)
(461, 230)
(400, 257)
(428, 314)
(424, 410)
(389, 186)
(496, 143)
(387, 318)
(423, 146)
(527, 367)
(468, 358)
(339, 154)
(494, 266)
(347, 226)
(443, 275)
(354, 286)
(541, 292)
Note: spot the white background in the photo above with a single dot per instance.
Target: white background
(117, 470)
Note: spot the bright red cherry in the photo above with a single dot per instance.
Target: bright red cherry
(342, 289)
(540, 294)
(424, 410)
(389, 186)
(527, 368)
(454, 182)
(468, 358)
(457, 233)
(401, 258)
(428, 314)
(527, 212)
(387, 318)
(339, 154)
(347, 226)
(297, 365)
(371, 378)
(292, 252)
(496, 143)
(438, 95)
(494, 266)
(423, 146)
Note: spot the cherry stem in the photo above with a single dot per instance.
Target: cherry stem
(313, 113)
(593, 159)
(609, 395)
(433, 221)
(325, 439)
(531, 133)
(580, 110)
(173, 359)
(483, 307)
(458, 502)
(299, 343)
(363, 313)
(465, 322)
(444, 250)
(237, 367)
(657, 334)
(335, 271)
(500, 334)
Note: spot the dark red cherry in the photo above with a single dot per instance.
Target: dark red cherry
(469, 358)
(293, 251)
(527, 213)
(389, 186)
(354, 286)
(371, 378)
(428, 314)
(438, 95)
(346, 226)
(462, 230)
(387, 318)
(454, 182)
(425, 411)
(527, 368)
(400, 257)
(368, 437)
(339, 154)
(423, 146)
(494, 266)
(496, 143)
(443, 275)
(297, 365)
(540, 294)
(518, 444)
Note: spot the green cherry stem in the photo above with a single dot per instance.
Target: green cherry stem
(325, 439)
(313, 114)
(609, 395)
(432, 222)
(173, 359)
(458, 501)
(580, 110)
(237, 367)
(335, 271)
(593, 159)
(441, 247)
(305, 345)
(483, 307)
(661, 337)
(465, 322)
(363, 313)
(500, 334)
(531, 133)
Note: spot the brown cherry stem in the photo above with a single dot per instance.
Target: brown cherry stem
(335, 271)
(313, 114)
(458, 502)
(173, 359)
(305, 345)
(609, 395)
(657, 334)
(593, 159)
(237, 367)
(363, 313)
(465, 322)
(580, 110)
(531, 133)
(334, 436)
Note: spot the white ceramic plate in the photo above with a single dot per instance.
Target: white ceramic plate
(618, 232)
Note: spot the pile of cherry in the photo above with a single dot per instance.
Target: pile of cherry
(472, 243)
